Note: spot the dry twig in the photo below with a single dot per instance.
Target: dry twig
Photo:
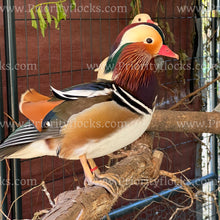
(197, 91)
(7, 188)
(185, 188)
(47, 194)
(7, 115)
(28, 191)
(169, 140)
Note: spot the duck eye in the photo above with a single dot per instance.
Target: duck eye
(139, 19)
(149, 40)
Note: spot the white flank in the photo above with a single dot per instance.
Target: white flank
(35, 149)
(119, 139)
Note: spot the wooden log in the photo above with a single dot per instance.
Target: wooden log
(95, 202)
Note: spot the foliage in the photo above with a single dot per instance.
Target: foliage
(135, 7)
(41, 12)
(183, 57)
(44, 16)
(165, 26)
(180, 77)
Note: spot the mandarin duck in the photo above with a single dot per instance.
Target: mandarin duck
(139, 18)
(94, 119)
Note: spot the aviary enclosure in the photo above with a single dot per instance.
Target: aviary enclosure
(67, 52)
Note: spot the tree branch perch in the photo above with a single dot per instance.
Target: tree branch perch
(185, 121)
(95, 202)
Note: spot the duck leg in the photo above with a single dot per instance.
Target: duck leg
(94, 167)
(108, 181)
(96, 171)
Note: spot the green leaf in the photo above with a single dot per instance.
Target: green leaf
(33, 19)
(48, 15)
(135, 6)
(132, 4)
(42, 22)
(60, 12)
(56, 22)
(73, 4)
(42, 28)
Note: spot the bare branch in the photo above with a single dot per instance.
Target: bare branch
(196, 91)
(185, 121)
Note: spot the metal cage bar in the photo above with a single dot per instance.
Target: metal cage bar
(214, 167)
(12, 96)
(2, 163)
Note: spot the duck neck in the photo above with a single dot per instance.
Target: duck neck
(144, 88)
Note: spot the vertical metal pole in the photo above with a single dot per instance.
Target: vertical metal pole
(11, 77)
(198, 57)
(215, 72)
(3, 183)
(214, 161)
(218, 60)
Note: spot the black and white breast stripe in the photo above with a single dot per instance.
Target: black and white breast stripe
(119, 95)
(130, 101)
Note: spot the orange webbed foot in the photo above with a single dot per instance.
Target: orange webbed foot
(108, 181)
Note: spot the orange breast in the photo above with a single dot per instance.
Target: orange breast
(94, 124)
